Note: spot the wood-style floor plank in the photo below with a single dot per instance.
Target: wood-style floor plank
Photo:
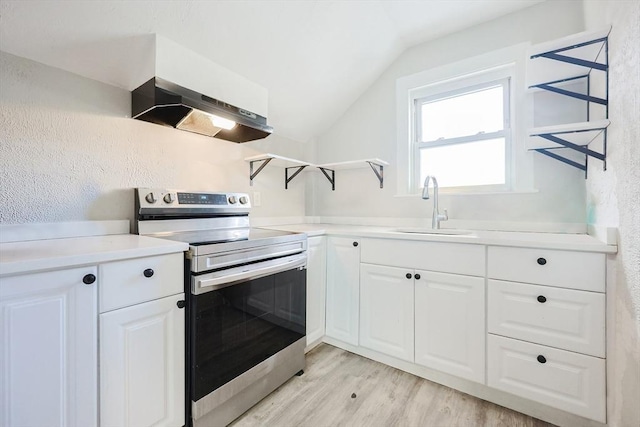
(384, 396)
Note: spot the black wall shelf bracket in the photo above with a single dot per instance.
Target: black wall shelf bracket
(584, 149)
(555, 55)
(332, 178)
(379, 171)
(587, 52)
(548, 152)
(287, 178)
(252, 174)
(293, 167)
(577, 95)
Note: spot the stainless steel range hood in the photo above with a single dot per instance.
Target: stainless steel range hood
(162, 102)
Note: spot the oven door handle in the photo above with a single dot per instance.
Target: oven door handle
(224, 278)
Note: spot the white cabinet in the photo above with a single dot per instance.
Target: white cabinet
(386, 310)
(142, 346)
(49, 357)
(562, 307)
(138, 280)
(456, 258)
(434, 319)
(142, 364)
(316, 288)
(562, 379)
(450, 324)
(343, 288)
(563, 318)
(564, 269)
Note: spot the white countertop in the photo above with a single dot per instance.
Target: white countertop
(38, 255)
(573, 242)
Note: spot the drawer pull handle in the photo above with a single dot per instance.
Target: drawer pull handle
(542, 261)
(408, 275)
(89, 279)
(181, 303)
(417, 276)
(542, 359)
(542, 299)
(355, 243)
(148, 272)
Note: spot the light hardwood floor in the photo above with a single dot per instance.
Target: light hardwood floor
(384, 396)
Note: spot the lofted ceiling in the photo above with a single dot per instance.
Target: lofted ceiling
(315, 57)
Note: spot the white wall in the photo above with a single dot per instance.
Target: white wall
(368, 129)
(613, 199)
(69, 152)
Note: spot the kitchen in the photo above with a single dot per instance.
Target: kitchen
(70, 151)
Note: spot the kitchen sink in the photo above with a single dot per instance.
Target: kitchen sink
(446, 232)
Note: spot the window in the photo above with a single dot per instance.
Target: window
(462, 135)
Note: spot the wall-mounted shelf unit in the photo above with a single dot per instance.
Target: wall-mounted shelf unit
(554, 66)
(576, 136)
(292, 167)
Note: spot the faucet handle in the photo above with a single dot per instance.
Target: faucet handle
(445, 216)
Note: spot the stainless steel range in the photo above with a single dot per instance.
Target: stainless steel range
(246, 299)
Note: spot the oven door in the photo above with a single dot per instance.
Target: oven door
(240, 317)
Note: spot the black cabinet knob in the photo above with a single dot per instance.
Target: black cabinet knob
(181, 303)
(355, 243)
(408, 275)
(542, 298)
(542, 261)
(417, 276)
(148, 272)
(89, 279)
(542, 359)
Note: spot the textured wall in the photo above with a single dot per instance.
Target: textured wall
(368, 129)
(613, 198)
(68, 152)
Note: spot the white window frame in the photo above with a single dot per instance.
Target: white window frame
(463, 86)
(509, 62)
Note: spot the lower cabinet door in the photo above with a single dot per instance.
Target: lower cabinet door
(343, 289)
(142, 365)
(450, 324)
(316, 287)
(49, 349)
(386, 310)
(562, 379)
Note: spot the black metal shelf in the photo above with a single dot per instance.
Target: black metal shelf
(293, 167)
(578, 57)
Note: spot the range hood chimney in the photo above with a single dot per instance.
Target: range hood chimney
(165, 103)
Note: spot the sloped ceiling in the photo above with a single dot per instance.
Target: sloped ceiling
(314, 57)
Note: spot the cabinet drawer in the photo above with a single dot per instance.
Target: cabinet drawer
(563, 318)
(457, 258)
(124, 283)
(568, 381)
(565, 269)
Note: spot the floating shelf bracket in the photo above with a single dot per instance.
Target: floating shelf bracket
(554, 54)
(332, 178)
(252, 174)
(584, 97)
(548, 152)
(293, 167)
(378, 169)
(584, 53)
(584, 149)
(287, 178)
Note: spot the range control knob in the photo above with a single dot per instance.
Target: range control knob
(244, 200)
(168, 198)
(233, 200)
(150, 198)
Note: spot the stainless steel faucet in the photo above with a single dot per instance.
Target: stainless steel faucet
(437, 216)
